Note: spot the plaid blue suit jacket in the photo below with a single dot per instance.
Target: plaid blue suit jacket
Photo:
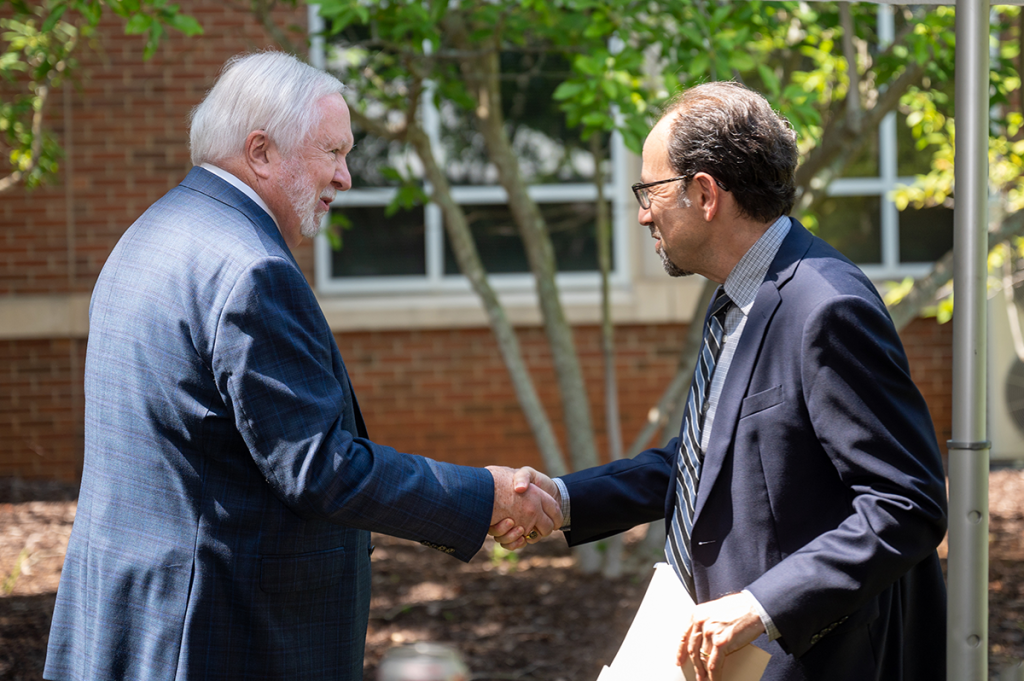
(229, 486)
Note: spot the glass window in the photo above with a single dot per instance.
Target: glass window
(926, 234)
(572, 227)
(411, 246)
(859, 217)
(852, 224)
(865, 163)
(376, 245)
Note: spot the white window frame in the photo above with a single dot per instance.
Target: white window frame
(883, 185)
(436, 281)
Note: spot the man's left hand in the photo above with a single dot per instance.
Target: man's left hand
(716, 629)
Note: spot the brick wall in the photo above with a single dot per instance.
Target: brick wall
(444, 394)
(929, 347)
(41, 409)
(447, 394)
(123, 124)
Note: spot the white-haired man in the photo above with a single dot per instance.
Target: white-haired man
(229, 486)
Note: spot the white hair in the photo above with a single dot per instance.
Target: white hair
(269, 91)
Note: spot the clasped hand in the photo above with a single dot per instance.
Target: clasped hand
(527, 506)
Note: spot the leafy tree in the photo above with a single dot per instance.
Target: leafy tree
(40, 39)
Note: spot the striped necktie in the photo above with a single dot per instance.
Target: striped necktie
(688, 463)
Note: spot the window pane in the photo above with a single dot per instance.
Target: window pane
(547, 150)
(572, 227)
(865, 162)
(371, 155)
(926, 234)
(375, 245)
(852, 224)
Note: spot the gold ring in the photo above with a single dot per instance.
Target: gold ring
(532, 535)
(704, 655)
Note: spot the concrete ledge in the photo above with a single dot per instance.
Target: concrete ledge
(44, 316)
(645, 302)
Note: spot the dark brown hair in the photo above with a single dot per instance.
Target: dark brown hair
(731, 132)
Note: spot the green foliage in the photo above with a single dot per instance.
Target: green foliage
(339, 222)
(40, 39)
(501, 556)
(618, 62)
(612, 65)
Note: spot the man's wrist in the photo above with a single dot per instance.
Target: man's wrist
(766, 619)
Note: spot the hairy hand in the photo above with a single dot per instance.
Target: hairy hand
(513, 535)
(716, 629)
(521, 508)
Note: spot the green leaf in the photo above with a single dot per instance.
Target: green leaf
(568, 90)
(768, 77)
(741, 61)
(138, 24)
(699, 65)
(186, 24)
(55, 15)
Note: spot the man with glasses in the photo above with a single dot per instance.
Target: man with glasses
(804, 497)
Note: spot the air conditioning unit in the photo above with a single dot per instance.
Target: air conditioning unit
(1005, 381)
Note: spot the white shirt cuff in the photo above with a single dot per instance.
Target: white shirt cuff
(564, 494)
(766, 619)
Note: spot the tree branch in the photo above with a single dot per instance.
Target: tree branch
(838, 148)
(669, 403)
(263, 11)
(924, 290)
(853, 106)
(376, 128)
(42, 93)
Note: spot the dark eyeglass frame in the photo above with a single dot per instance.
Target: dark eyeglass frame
(643, 197)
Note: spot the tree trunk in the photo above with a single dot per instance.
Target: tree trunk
(673, 398)
(461, 240)
(612, 567)
(482, 74)
(668, 415)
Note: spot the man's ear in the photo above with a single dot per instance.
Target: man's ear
(710, 196)
(258, 153)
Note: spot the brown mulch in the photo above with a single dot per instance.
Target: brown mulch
(529, 616)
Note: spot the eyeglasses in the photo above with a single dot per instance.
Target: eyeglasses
(643, 196)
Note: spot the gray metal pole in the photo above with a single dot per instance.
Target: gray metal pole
(967, 632)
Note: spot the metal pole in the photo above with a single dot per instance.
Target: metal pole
(967, 631)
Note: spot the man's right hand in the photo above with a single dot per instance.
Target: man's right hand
(506, 530)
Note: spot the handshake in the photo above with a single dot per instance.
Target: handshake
(527, 506)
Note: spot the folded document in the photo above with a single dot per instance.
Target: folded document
(649, 650)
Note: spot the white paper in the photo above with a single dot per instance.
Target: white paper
(649, 650)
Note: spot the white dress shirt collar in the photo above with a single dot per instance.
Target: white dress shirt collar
(242, 187)
(746, 277)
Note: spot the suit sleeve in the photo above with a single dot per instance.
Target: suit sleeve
(873, 425)
(274, 362)
(619, 495)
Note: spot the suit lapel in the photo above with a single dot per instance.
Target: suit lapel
(734, 390)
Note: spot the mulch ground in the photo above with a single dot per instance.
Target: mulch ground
(529, 616)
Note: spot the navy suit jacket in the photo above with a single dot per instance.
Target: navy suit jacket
(229, 486)
(822, 490)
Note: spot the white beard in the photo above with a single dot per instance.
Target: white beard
(304, 199)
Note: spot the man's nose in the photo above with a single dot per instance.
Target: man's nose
(342, 180)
